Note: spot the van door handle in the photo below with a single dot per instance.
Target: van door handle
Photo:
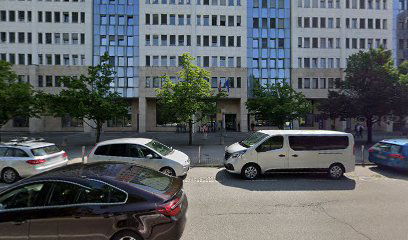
(294, 155)
(281, 155)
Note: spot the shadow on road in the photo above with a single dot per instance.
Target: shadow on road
(391, 172)
(286, 182)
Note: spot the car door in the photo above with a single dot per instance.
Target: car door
(16, 210)
(78, 214)
(303, 153)
(272, 154)
(144, 156)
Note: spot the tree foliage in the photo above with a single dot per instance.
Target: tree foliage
(370, 90)
(189, 100)
(88, 97)
(16, 98)
(278, 104)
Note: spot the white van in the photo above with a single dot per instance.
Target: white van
(292, 150)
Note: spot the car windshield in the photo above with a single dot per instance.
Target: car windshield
(159, 147)
(253, 139)
(45, 150)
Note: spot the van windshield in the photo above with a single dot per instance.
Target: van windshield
(253, 139)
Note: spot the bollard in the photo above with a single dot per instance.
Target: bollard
(83, 155)
(362, 155)
(199, 154)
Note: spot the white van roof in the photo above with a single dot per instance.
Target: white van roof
(304, 132)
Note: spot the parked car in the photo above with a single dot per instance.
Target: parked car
(145, 152)
(391, 153)
(27, 157)
(292, 150)
(101, 201)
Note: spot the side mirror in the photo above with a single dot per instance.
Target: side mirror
(149, 156)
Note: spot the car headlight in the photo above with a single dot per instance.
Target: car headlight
(238, 154)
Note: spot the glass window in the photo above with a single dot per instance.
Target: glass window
(64, 194)
(100, 193)
(253, 139)
(272, 143)
(31, 195)
(310, 143)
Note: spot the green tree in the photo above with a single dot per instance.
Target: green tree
(16, 98)
(278, 103)
(190, 100)
(341, 108)
(369, 89)
(88, 97)
(403, 71)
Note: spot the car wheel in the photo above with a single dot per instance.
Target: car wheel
(9, 175)
(168, 171)
(250, 171)
(336, 171)
(126, 235)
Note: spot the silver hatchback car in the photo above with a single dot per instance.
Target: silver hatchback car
(24, 158)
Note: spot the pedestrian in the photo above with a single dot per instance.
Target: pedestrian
(361, 130)
(356, 130)
(252, 126)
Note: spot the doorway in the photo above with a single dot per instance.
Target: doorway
(231, 122)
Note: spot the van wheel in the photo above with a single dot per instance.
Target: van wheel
(336, 171)
(250, 171)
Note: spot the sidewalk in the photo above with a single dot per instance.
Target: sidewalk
(210, 149)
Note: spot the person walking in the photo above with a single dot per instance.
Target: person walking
(360, 130)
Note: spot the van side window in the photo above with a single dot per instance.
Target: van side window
(272, 143)
(312, 143)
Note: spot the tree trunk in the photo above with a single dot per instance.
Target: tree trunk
(98, 131)
(190, 132)
(369, 123)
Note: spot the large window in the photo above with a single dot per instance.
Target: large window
(272, 143)
(311, 143)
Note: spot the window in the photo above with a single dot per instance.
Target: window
(12, 16)
(64, 194)
(331, 83)
(147, 19)
(315, 83)
(272, 143)
(311, 143)
(155, 19)
(172, 19)
(31, 195)
(65, 17)
(206, 19)
(21, 37)
(300, 83)
(223, 20)
(21, 16)
(306, 83)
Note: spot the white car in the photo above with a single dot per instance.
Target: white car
(292, 150)
(27, 157)
(142, 151)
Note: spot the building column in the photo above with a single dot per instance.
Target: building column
(36, 125)
(142, 114)
(243, 115)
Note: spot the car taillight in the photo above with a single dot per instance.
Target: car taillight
(35, 162)
(393, 155)
(371, 150)
(171, 209)
(65, 155)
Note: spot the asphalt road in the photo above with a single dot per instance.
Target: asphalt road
(370, 203)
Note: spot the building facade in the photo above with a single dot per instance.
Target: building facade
(324, 34)
(46, 40)
(302, 42)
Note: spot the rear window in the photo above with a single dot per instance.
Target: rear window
(311, 143)
(45, 150)
(387, 147)
(145, 177)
